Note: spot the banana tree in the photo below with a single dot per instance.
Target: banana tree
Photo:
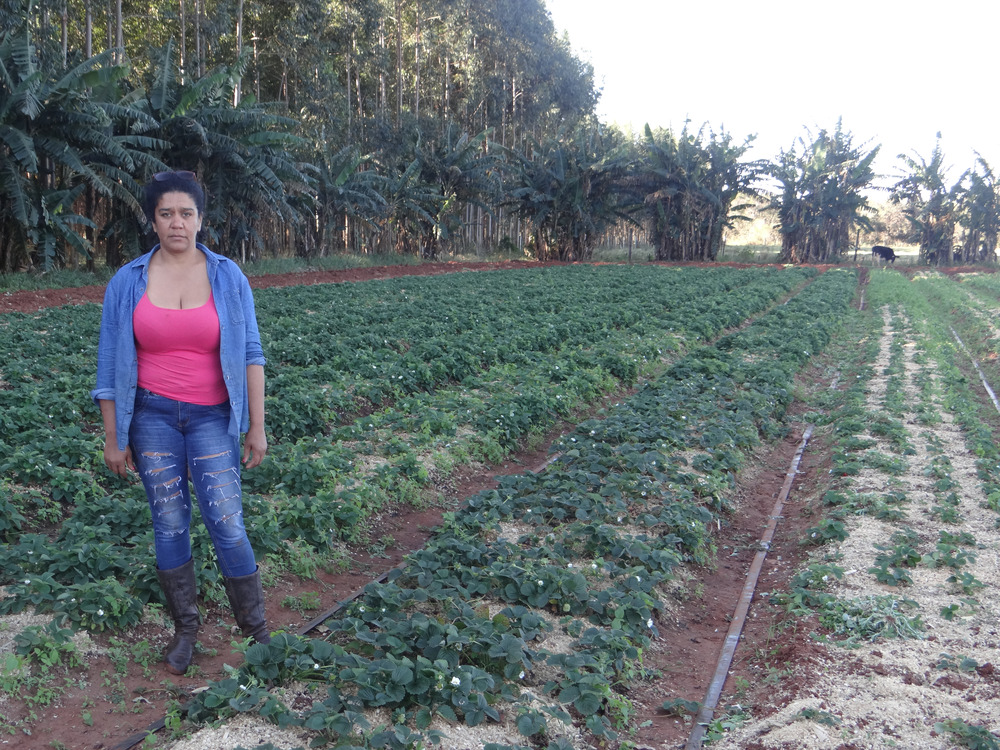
(689, 183)
(244, 155)
(821, 199)
(55, 141)
(465, 173)
(929, 205)
(570, 190)
(346, 193)
(979, 214)
(409, 211)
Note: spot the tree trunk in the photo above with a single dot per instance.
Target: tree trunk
(110, 27)
(513, 109)
(447, 88)
(183, 21)
(65, 33)
(416, 67)
(399, 62)
(88, 30)
(119, 32)
(347, 83)
(238, 89)
(381, 68)
(357, 86)
(199, 49)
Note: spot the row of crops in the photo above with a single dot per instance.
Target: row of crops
(376, 392)
(902, 571)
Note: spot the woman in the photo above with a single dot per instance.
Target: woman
(180, 374)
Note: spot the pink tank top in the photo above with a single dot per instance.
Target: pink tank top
(178, 352)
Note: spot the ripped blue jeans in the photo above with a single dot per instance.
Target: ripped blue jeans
(172, 442)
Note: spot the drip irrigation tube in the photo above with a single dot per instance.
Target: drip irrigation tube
(708, 706)
(986, 385)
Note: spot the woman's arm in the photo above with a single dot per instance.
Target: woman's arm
(116, 459)
(255, 442)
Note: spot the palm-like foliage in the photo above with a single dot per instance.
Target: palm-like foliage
(409, 211)
(570, 190)
(465, 173)
(979, 214)
(821, 200)
(244, 154)
(55, 140)
(345, 193)
(929, 205)
(689, 183)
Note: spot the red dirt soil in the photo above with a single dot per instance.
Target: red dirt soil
(685, 654)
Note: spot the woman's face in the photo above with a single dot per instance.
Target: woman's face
(176, 222)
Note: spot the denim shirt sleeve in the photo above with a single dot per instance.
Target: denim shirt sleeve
(239, 342)
(117, 365)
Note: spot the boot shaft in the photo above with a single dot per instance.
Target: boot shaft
(180, 589)
(246, 597)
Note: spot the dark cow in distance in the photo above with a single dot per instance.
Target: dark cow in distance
(884, 253)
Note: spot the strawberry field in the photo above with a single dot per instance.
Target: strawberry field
(531, 615)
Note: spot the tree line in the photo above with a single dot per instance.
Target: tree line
(374, 126)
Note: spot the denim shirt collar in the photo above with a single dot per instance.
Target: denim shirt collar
(211, 262)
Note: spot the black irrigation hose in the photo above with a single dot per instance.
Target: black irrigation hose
(708, 706)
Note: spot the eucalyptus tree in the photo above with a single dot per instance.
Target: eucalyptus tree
(978, 209)
(821, 199)
(570, 190)
(500, 65)
(930, 206)
(689, 183)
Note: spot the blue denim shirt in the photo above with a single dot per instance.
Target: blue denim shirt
(239, 346)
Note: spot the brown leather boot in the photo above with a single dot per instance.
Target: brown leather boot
(246, 596)
(181, 592)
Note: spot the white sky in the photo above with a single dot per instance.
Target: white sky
(897, 71)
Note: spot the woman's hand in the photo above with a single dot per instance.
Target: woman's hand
(254, 446)
(119, 461)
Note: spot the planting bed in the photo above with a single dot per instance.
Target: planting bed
(615, 438)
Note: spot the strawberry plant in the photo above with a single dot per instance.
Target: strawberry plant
(967, 735)
(617, 494)
(367, 382)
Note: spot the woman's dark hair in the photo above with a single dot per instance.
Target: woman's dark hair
(172, 182)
